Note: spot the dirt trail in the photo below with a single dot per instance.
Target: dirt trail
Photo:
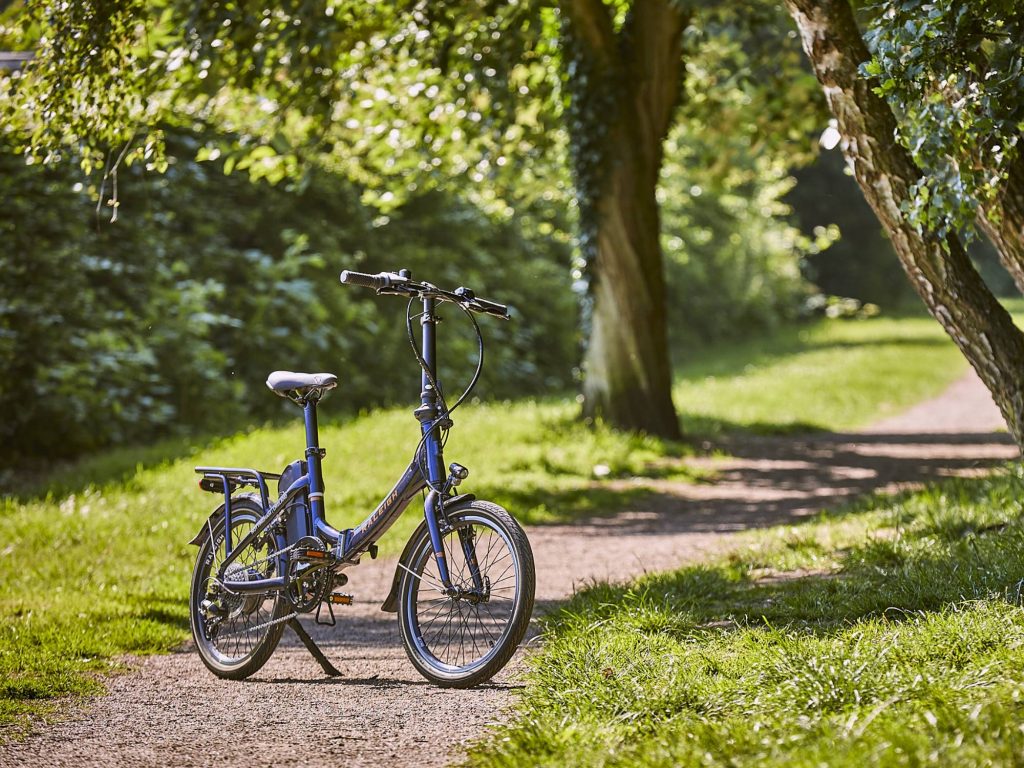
(170, 710)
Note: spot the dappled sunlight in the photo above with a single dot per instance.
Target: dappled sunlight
(834, 376)
(898, 622)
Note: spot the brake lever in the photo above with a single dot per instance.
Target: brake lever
(494, 313)
(399, 286)
(393, 290)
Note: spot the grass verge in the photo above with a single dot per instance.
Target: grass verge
(889, 634)
(94, 563)
(823, 376)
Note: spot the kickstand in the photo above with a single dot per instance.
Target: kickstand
(313, 648)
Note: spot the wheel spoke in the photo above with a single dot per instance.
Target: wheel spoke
(484, 626)
(460, 632)
(242, 632)
(440, 608)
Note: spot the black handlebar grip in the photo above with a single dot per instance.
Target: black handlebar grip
(348, 277)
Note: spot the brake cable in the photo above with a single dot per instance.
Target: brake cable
(445, 411)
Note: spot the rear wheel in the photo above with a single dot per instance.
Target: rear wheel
(236, 633)
(460, 640)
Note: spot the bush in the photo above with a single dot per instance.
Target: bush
(170, 319)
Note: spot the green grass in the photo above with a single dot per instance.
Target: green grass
(890, 634)
(828, 375)
(93, 559)
(90, 574)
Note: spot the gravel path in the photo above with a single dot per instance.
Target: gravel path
(170, 711)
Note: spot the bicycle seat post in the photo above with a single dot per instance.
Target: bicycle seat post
(313, 456)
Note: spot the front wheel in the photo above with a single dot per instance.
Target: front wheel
(464, 637)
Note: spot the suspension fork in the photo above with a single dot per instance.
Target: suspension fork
(434, 513)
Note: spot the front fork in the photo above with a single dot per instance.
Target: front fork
(433, 510)
(466, 538)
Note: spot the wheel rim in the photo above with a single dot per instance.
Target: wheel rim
(231, 639)
(457, 636)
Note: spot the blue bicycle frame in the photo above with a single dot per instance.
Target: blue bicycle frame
(350, 544)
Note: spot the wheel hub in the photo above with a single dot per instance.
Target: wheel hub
(473, 596)
(239, 604)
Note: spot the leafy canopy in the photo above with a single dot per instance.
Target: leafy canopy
(396, 96)
(954, 72)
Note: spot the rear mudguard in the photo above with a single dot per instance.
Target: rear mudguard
(208, 523)
(391, 602)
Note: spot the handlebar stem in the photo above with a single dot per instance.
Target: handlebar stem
(427, 413)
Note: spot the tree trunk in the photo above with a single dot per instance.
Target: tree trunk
(1007, 230)
(628, 374)
(941, 273)
(630, 82)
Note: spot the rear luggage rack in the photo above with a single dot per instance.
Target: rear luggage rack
(227, 479)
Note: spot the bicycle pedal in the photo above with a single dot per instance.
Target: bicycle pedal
(372, 549)
(340, 599)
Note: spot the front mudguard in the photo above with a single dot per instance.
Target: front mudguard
(390, 604)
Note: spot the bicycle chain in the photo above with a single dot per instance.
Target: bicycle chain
(252, 565)
(265, 624)
(258, 627)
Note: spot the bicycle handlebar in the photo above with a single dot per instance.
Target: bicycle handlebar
(394, 283)
(367, 281)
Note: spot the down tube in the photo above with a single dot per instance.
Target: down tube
(387, 512)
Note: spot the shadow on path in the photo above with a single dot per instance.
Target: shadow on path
(295, 716)
(765, 481)
(773, 481)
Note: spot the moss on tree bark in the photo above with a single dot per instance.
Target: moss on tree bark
(625, 88)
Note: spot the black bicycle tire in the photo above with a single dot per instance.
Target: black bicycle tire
(244, 509)
(522, 611)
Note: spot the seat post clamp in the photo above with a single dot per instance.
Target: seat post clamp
(321, 452)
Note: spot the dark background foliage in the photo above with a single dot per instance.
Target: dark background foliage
(169, 320)
(172, 317)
